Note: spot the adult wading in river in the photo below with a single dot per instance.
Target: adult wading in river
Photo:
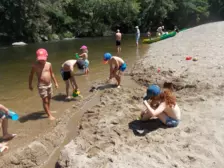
(118, 41)
(137, 35)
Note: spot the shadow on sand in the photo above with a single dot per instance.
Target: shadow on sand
(33, 116)
(103, 87)
(62, 97)
(141, 128)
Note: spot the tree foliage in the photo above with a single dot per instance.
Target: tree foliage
(36, 20)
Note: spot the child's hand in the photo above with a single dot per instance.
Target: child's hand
(56, 86)
(31, 87)
(145, 102)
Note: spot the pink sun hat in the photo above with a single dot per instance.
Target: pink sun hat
(41, 54)
(83, 47)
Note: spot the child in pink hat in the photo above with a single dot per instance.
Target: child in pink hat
(84, 56)
(44, 72)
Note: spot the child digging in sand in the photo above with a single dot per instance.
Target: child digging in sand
(44, 72)
(117, 66)
(67, 69)
(163, 105)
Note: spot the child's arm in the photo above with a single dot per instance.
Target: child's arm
(53, 77)
(156, 112)
(31, 78)
(111, 71)
(4, 109)
(82, 55)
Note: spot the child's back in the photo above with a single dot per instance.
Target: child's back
(115, 59)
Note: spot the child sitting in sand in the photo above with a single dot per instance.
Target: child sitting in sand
(84, 56)
(67, 69)
(117, 66)
(163, 105)
(44, 72)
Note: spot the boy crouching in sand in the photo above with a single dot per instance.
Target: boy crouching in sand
(117, 66)
(44, 72)
(67, 73)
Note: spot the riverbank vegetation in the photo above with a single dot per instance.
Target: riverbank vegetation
(43, 20)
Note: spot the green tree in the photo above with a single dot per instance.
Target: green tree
(155, 11)
(217, 8)
(190, 12)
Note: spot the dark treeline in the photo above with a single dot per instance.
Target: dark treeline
(39, 20)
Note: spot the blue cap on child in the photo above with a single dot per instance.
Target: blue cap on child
(153, 90)
(107, 56)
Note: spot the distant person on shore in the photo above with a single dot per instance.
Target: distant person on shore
(118, 41)
(117, 66)
(163, 106)
(149, 34)
(160, 30)
(4, 124)
(137, 35)
(44, 72)
(176, 29)
(67, 73)
(84, 56)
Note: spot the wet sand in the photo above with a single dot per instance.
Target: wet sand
(107, 133)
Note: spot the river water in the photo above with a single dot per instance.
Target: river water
(14, 72)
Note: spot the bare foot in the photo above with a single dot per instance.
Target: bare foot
(51, 118)
(119, 86)
(4, 148)
(3, 144)
(9, 136)
(68, 98)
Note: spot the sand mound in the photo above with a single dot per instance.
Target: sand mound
(109, 135)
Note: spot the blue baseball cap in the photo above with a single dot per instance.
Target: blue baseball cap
(153, 90)
(107, 56)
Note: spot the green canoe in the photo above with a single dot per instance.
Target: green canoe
(163, 37)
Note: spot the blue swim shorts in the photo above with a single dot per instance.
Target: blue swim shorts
(86, 63)
(137, 38)
(170, 122)
(123, 67)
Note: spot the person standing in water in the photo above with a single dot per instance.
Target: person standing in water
(160, 30)
(118, 41)
(44, 72)
(67, 69)
(149, 34)
(117, 66)
(137, 35)
(163, 105)
(84, 56)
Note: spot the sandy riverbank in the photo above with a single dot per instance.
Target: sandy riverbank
(106, 137)
(42, 147)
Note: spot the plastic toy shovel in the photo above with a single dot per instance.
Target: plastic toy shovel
(77, 56)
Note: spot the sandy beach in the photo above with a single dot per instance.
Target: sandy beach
(102, 126)
(107, 133)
